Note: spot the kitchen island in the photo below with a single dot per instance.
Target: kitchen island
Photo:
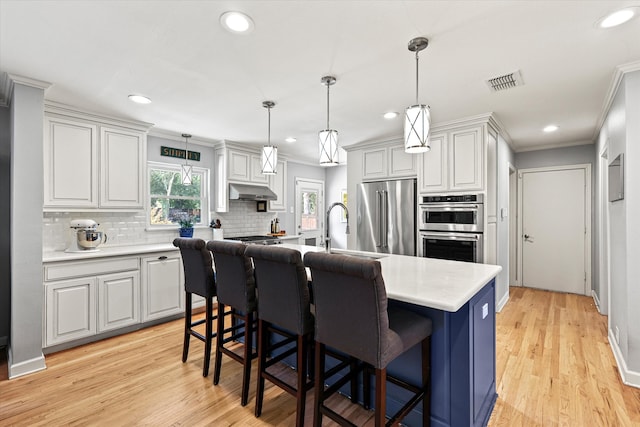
(459, 298)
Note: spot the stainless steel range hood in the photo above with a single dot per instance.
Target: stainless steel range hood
(250, 192)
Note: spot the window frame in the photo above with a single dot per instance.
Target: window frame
(204, 195)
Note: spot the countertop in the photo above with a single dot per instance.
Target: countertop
(107, 251)
(435, 283)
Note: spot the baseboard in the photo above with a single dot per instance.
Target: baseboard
(503, 301)
(23, 368)
(596, 300)
(631, 378)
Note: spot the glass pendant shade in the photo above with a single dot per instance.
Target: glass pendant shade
(328, 140)
(269, 159)
(417, 123)
(187, 174)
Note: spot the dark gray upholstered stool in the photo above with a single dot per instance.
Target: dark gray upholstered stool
(283, 309)
(198, 279)
(236, 289)
(352, 316)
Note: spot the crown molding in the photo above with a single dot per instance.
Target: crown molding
(57, 108)
(7, 82)
(618, 74)
(553, 146)
(175, 136)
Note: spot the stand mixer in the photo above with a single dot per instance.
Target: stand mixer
(85, 237)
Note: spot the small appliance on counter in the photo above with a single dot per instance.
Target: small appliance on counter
(85, 237)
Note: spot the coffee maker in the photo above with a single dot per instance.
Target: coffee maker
(85, 236)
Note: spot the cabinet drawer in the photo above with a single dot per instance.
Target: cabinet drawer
(66, 270)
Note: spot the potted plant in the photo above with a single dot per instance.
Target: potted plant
(186, 226)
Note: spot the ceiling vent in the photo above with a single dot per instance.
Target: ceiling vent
(506, 81)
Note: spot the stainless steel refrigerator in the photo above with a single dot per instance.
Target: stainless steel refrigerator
(386, 217)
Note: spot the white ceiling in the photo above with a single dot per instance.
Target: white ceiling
(210, 83)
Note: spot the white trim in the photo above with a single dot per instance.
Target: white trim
(596, 300)
(26, 367)
(588, 215)
(553, 146)
(503, 301)
(631, 378)
(604, 279)
(57, 108)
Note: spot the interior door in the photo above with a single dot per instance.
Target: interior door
(555, 221)
(310, 211)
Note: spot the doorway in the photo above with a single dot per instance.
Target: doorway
(309, 210)
(514, 276)
(554, 239)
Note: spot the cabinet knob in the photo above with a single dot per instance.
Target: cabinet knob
(162, 258)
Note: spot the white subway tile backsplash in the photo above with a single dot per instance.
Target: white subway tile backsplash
(129, 228)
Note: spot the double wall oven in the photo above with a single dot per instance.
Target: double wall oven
(451, 227)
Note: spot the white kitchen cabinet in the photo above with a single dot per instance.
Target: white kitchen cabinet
(386, 162)
(278, 183)
(122, 168)
(257, 176)
(70, 310)
(118, 300)
(70, 163)
(239, 165)
(162, 286)
(454, 163)
(91, 162)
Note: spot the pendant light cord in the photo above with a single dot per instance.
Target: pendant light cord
(417, 77)
(269, 127)
(328, 85)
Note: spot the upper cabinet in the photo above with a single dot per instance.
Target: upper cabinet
(387, 161)
(92, 162)
(278, 184)
(455, 161)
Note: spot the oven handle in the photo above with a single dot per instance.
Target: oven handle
(449, 236)
(446, 208)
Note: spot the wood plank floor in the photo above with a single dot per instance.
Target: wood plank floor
(554, 368)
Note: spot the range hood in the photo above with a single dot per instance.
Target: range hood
(250, 192)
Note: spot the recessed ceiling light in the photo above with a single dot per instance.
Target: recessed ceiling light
(550, 128)
(290, 139)
(236, 22)
(390, 115)
(618, 17)
(140, 99)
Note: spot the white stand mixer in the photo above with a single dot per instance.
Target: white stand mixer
(85, 238)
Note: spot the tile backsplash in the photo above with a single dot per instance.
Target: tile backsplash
(129, 228)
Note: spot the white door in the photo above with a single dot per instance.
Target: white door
(555, 228)
(310, 211)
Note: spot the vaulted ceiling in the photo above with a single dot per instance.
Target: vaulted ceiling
(210, 83)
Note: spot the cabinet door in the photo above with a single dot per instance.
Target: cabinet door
(239, 165)
(162, 286)
(256, 171)
(432, 170)
(374, 163)
(465, 159)
(122, 165)
(118, 300)
(70, 310)
(278, 183)
(401, 164)
(221, 196)
(70, 163)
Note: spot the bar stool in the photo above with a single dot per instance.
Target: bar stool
(199, 280)
(352, 316)
(284, 309)
(236, 289)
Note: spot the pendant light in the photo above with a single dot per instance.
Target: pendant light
(328, 138)
(417, 121)
(187, 169)
(269, 152)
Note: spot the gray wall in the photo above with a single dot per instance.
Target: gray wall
(5, 225)
(621, 133)
(506, 156)
(27, 120)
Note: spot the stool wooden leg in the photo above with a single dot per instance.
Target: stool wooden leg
(301, 394)
(187, 326)
(319, 385)
(381, 393)
(219, 338)
(207, 337)
(248, 350)
(366, 387)
(263, 340)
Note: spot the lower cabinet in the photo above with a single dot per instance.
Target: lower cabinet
(85, 298)
(162, 286)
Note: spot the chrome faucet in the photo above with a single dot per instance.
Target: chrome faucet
(327, 240)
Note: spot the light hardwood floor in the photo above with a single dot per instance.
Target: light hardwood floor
(554, 367)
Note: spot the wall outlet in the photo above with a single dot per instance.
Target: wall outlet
(291, 209)
(616, 333)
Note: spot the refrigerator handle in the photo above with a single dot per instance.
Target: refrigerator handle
(377, 238)
(385, 215)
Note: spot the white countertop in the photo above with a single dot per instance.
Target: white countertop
(107, 251)
(435, 283)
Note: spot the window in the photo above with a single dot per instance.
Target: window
(170, 200)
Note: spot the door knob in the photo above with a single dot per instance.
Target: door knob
(526, 236)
